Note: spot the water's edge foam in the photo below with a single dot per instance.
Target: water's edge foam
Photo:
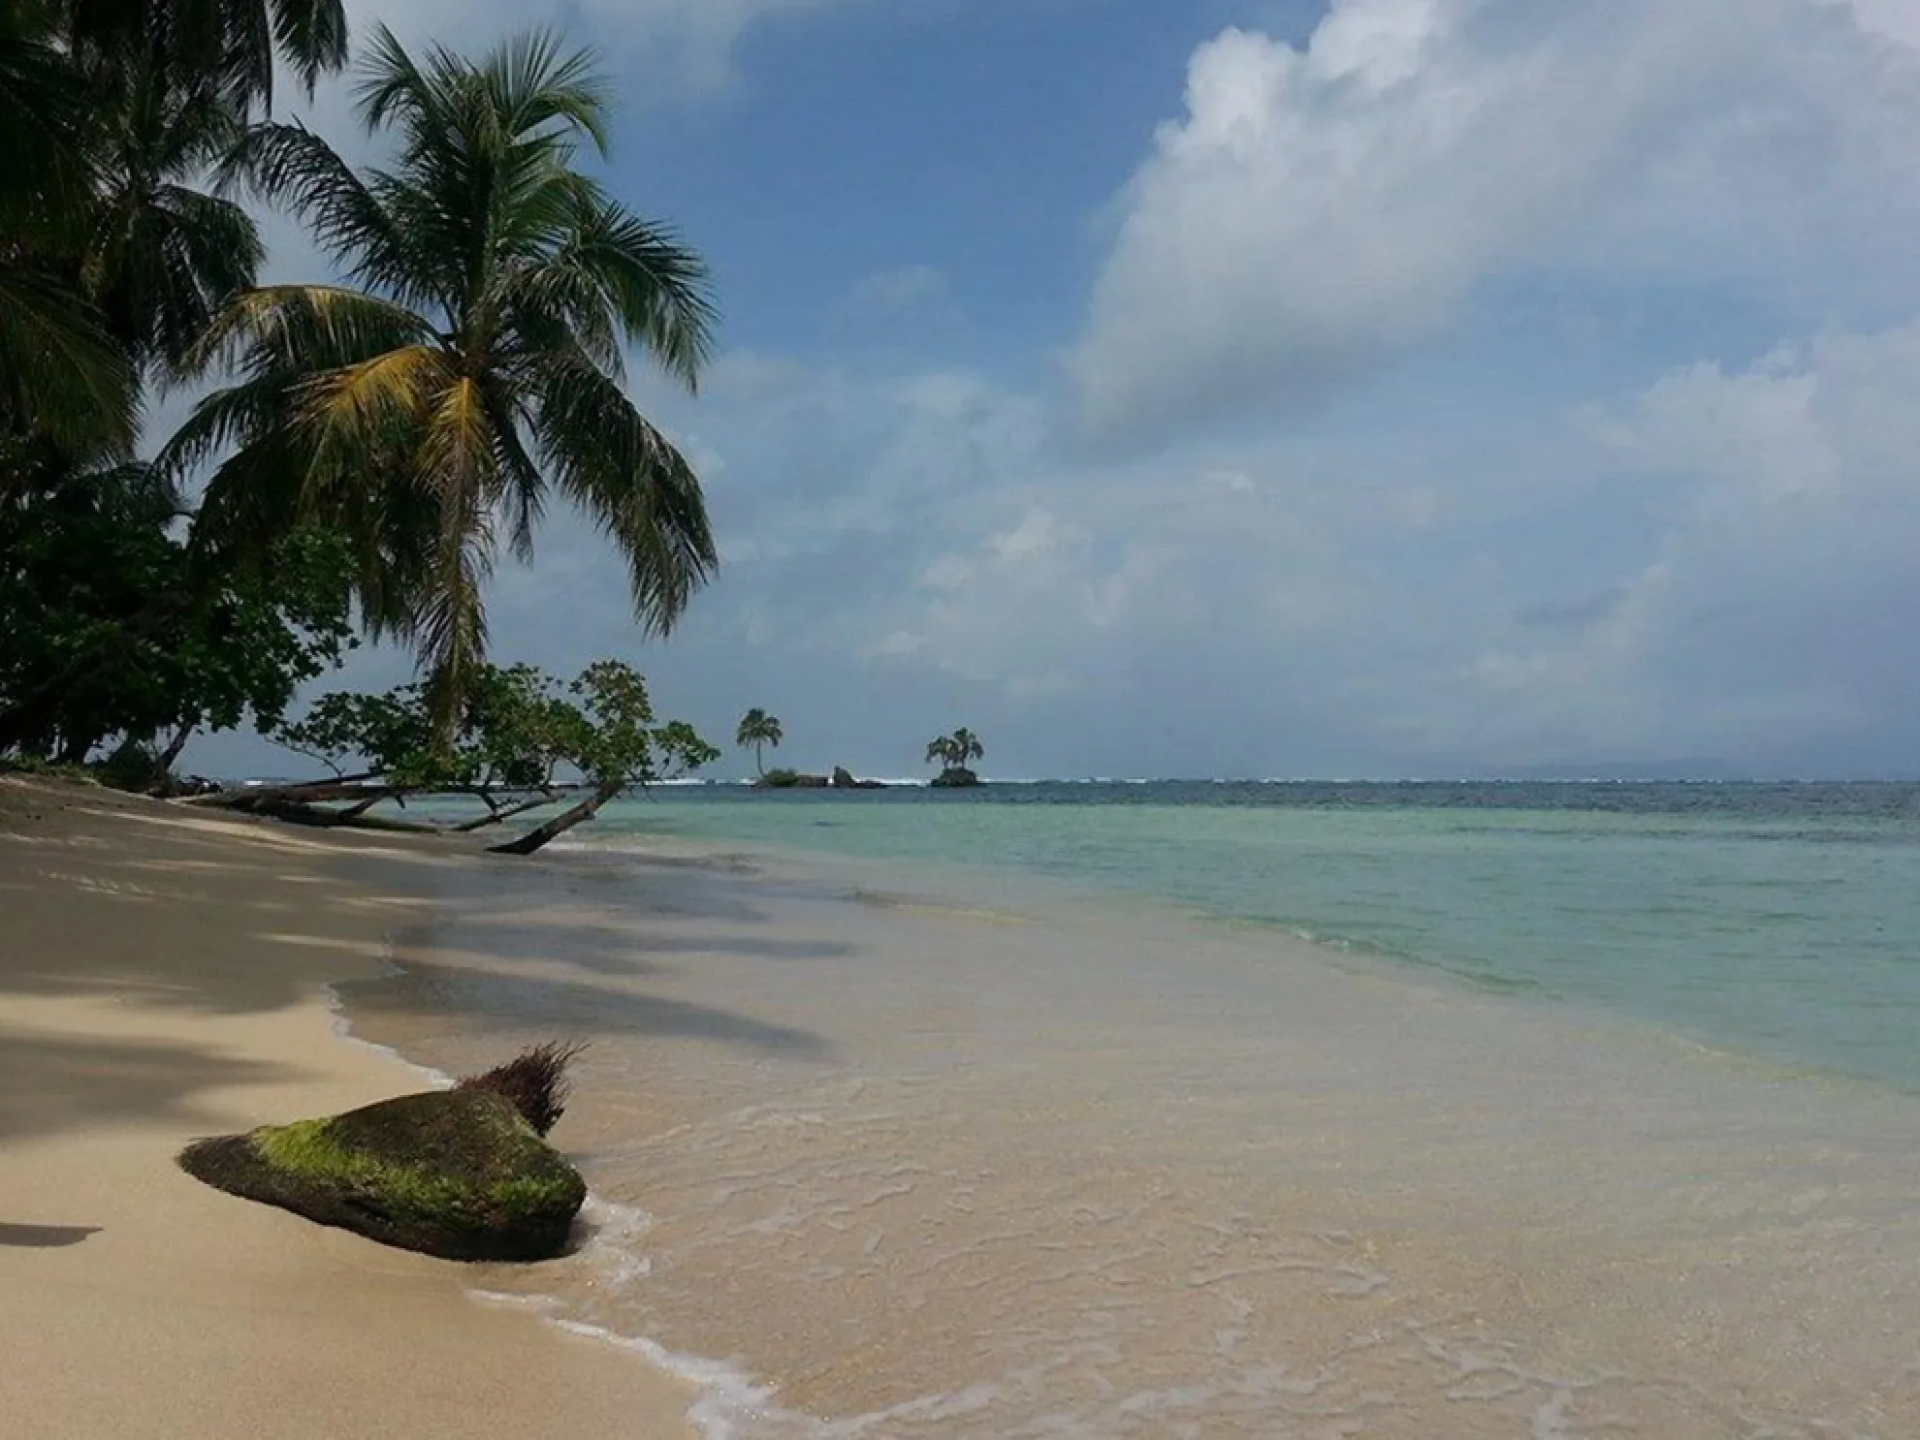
(724, 1394)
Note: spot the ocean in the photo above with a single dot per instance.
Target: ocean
(1418, 1110)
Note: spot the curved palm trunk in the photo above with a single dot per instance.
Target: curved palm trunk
(560, 824)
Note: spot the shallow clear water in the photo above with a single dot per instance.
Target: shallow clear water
(1784, 919)
(965, 1132)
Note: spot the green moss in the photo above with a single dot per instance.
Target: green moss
(457, 1173)
(530, 1194)
(308, 1149)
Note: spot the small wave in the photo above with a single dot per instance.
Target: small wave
(342, 1023)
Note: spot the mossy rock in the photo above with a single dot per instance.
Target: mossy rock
(454, 1173)
(955, 778)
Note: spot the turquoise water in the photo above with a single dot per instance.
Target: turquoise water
(1781, 921)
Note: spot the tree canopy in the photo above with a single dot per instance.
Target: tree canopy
(428, 410)
(518, 731)
(80, 564)
(376, 441)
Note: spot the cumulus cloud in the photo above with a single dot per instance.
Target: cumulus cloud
(1321, 207)
(1717, 563)
(1767, 616)
(1705, 558)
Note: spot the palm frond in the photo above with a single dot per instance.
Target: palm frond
(60, 372)
(164, 262)
(48, 177)
(650, 280)
(290, 166)
(627, 476)
(312, 37)
(304, 328)
(531, 84)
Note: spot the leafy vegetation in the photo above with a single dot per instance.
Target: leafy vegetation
(477, 366)
(373, 437)
(82, 566)
(520, 731)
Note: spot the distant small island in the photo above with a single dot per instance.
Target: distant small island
(953, 752)
(758, 729)
(840, 779)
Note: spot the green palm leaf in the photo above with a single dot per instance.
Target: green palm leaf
(429, 412)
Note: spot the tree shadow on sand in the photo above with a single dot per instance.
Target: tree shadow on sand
(120, 866)
(44, 1237)
(51, 1085)
(489, 999)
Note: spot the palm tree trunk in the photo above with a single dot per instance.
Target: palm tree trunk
(560, 824)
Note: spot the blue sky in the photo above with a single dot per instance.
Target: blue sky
(1389, 387)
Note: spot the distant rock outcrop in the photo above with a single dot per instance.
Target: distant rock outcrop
(456, 1173)
(957, 777)
(843, 780)
(790, 780)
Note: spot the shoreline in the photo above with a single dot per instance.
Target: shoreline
(168, 974)
(963, 1127)
(903, 1149)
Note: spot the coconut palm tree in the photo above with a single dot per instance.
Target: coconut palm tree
(226, 48)
(61, 377)
(758, 728)
(955, 750)
(162, 256)
(472, 364)
(112, 261)
(109, 109)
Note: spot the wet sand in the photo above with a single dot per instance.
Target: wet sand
(924, 1161)
(162, 977)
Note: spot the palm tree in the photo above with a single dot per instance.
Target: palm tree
(61, 377)
(955, 750)
(225, 48)
(163, 257)
(108, 108)
(757, 728)
(473, 362)
(111, 263)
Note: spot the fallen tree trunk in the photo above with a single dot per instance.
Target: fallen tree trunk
(560, 824)
(250, 797)
(294, 813)
(496, 817)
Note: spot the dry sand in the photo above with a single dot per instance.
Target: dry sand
(161, 977)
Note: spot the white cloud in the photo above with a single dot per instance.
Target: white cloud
(1772, 612)
(1718, 563)
(1894, 19)
(1320, 207)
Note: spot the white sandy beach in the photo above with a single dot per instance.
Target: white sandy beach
(162, 977)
